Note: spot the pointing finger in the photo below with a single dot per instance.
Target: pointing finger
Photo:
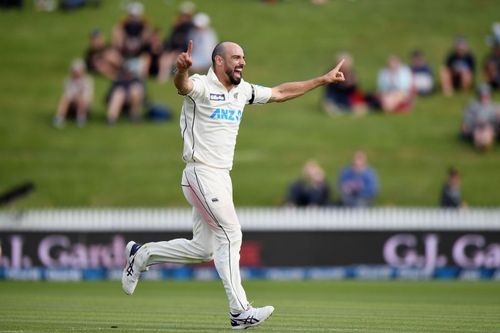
(190, 48)
(339, 65)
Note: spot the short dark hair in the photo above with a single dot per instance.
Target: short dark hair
(219, 50)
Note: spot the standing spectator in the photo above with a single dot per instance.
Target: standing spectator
(459, 68)
(127, 93)
(357, 183)
(344, 96)
(450, 194)
(205, 39)
(77, 96)
(481, 119)
(423, 77)
(178, 39)
(395, 86)
(310, 190)
(492, 65)
(101, 58)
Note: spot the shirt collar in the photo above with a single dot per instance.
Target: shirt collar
(211, 75)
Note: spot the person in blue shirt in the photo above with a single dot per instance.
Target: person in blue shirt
(357, 183)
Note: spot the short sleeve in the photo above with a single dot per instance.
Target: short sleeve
(259, 94)
(198, 87)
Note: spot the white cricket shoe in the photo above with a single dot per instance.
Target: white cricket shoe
(135, 256)
(251, 317)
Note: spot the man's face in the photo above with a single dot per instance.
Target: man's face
(234, 61)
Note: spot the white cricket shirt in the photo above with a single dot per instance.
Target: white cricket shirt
(211, 116)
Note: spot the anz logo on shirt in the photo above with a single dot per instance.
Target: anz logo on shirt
(225, 114)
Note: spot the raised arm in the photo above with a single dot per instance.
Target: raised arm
(290, 90)
(182, 81)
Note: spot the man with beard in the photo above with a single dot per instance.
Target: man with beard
(210, 119)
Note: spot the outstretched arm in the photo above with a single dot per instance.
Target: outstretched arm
(182, 81)
(290, 90)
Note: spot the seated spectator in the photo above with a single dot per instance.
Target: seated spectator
(152, 54)
(450, 194)
(311, 190)
(204, 40)
(132, 33)
(423, 77)
(357, 183)
(458, 71)
(344, 96)
(394, 85)
(481, 119)
(178, 40)
(77, 96)
(127, 93)
(101, 58)
(492, 66)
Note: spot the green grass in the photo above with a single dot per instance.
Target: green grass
(340, 306)
(141, 166)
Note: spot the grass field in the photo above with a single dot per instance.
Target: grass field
(341, 306)
(140, 165)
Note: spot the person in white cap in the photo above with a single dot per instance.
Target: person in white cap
(211, 115)
(131, 34)
(205, 39)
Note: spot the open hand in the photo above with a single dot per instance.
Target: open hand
(184, 60)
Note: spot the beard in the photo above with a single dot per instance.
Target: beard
(234, 80)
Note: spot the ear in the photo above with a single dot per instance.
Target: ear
(219, 59)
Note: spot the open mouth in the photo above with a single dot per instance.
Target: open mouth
(238, 71)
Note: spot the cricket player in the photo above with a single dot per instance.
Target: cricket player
(210, 119)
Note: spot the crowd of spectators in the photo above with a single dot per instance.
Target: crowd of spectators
(135, 53)
(398, 85)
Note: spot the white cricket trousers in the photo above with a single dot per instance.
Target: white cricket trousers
(216, 231)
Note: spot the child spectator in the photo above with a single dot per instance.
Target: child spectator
(77, 96)
(310, 190)
(395, 86)
(345, 95)
(459, 68)
(357, 183)
(423, 77)
(481, 119)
